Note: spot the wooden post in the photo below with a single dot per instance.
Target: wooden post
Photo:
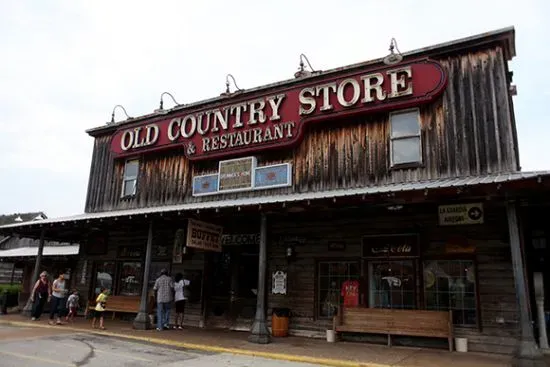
(12, 273)
(528, 353)
(142, 322)
(260, 333)
(27, 310)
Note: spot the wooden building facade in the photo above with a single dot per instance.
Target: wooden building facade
(404, 177)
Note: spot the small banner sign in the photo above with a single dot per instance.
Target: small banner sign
(204, 236)
(242, 175)
(461, 214)
(279, 282)
(236, 174)
(241, 239)
(404, 245)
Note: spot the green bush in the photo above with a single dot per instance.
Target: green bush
(10, 288)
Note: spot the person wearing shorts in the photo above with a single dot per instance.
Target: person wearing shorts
(100, 304)
(179, 286)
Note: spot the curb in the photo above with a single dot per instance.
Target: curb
(210, 348)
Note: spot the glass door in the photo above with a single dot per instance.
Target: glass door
(392, 284)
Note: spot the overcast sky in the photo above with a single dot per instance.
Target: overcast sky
(65, 64)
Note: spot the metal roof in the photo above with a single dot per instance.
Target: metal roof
(48, 251)
(285, 198)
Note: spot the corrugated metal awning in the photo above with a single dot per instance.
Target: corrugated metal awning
(286, 198)
(48, 251)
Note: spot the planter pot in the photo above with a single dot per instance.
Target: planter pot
(331, 336)
(461, 345)
(12, 300)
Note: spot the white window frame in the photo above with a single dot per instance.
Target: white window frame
(126, 178)
(418, 135)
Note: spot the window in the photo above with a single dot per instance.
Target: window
(129, 184)
(104, 275)
(331, 277)
(406, 146)
(130, 279)
(450, 285)
(392, 284)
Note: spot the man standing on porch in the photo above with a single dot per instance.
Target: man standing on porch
(164, 286)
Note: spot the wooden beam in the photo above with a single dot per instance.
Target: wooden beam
(142, 322)
(37, 263)
(260, 333)
(528, 352)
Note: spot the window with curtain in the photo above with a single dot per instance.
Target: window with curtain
(451, 285)
(406, 145)
(331, 277)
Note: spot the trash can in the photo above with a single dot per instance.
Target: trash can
(279, 321)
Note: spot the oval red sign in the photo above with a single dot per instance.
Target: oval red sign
(275, 119)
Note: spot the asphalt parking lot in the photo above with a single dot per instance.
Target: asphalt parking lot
(26, 347)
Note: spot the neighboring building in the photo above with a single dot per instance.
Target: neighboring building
(404, 177)
(18, 254)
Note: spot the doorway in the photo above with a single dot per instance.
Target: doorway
(233, 287)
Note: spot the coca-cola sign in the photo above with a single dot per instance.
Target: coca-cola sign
(251, 122)
(390, 246)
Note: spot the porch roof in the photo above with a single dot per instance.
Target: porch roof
(48, 251)
(443, 183)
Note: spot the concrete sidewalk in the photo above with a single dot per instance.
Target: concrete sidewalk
(291, 348)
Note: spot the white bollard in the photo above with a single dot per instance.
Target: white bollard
(539, 295)
(461, 345)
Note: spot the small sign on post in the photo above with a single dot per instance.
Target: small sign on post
(204, 236)
(278, 285)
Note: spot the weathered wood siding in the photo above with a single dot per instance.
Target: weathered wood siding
(467, 131)
(493, 256)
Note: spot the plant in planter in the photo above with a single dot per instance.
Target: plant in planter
(9, 296)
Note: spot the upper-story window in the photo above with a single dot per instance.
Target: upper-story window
(131, 169)
(406, 144)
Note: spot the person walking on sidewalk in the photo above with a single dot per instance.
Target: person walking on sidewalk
(58, 295)
(72, 305)
(41, 293)
(164, 286)
(100, 304)
(179, 295)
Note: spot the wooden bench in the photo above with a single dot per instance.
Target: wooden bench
(437, 324)
(122, 304)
